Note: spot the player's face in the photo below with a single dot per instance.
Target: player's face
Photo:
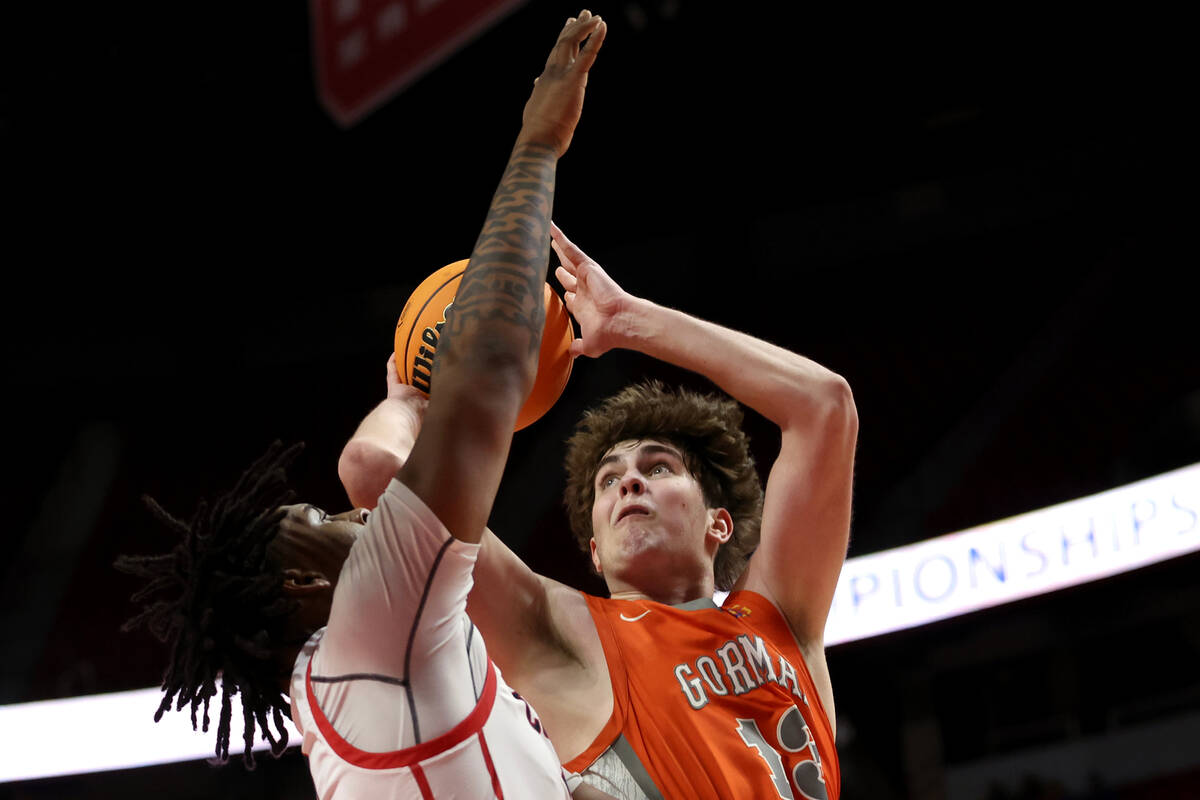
(649, 513)
(311, 547)
(314, 540)
(345, 525)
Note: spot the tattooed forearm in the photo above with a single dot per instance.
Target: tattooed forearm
(501, 296)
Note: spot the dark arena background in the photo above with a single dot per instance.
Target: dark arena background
(978, 221)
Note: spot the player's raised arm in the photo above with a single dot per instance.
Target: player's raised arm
(806, 512)
(487, 358)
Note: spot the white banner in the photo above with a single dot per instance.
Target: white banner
(1063, 545)
(109, 731)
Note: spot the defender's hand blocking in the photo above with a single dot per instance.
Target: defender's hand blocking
(592, 297)
(554, 107)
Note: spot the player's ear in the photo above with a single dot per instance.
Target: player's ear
(595, 557)
(720, 525)
(301, 582)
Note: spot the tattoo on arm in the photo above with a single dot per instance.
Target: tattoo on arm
(503, 282)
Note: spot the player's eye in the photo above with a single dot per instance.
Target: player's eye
(607, 481)
(660, 468)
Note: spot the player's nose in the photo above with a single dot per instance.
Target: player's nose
(353, 515)
(632, 484)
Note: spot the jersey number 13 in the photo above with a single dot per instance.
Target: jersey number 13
(793, 736)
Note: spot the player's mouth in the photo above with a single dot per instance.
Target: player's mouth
(631, 511)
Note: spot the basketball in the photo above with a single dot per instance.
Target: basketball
(420, 327)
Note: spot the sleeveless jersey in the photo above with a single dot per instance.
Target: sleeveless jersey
(709, 703)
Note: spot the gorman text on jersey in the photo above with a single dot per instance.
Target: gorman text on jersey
(740, 666)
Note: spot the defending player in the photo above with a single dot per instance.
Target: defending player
(656, 692)
(395, 696)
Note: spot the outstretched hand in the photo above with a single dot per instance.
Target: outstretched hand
(553, 109)
(592, 297)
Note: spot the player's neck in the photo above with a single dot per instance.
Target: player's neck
(669, 592)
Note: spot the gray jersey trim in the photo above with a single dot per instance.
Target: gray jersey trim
(618, 770)
(697, 604)
(634, 766)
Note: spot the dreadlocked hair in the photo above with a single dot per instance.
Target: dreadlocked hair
(220, 605)
(706, 428)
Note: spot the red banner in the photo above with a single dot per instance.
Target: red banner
(365, 51)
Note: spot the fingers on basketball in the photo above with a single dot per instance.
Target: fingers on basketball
(563, 258)
(566, 249)
(568, 281)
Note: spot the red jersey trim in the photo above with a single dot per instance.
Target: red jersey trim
(422, 783)
(408, 756)
(487, 759)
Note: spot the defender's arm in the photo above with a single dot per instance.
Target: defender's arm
(487, 357)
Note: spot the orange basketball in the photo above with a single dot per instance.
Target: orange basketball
(420, 327)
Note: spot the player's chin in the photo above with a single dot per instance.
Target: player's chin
(639, 540)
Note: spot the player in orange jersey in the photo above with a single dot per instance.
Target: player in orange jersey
(657, 692)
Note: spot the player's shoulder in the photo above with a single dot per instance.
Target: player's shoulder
(758, 610)
(753, 591)
(750, 600)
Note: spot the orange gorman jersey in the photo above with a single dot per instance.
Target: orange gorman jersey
(716, 702)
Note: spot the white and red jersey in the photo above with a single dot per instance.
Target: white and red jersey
(396, 698)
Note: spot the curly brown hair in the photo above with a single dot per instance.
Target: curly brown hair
(706, 428)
